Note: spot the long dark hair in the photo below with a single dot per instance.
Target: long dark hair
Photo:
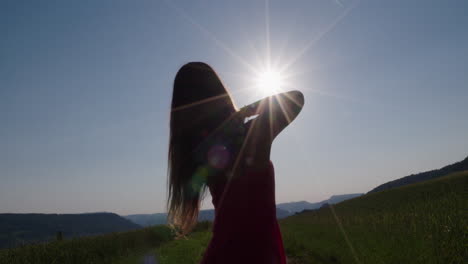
(200, 104)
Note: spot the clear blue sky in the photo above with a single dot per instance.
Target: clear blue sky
(85, 88)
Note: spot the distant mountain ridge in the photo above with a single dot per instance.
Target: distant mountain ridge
(295, 207)
(423, 176)
(282, 210)
(204, 215)
(18, 229)
(148, 219)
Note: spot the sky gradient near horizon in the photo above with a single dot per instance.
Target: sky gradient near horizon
(85, 89)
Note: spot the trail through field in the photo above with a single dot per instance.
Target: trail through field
(149, 259)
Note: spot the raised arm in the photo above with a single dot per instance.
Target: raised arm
(275, 113)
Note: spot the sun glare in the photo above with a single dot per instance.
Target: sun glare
(269, 82)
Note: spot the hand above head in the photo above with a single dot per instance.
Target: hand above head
(275, 112)
(254, 138)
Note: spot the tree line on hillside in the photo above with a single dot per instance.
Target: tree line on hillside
(19, 229)
(423, 176)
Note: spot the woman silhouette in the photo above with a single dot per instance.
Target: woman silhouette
(212, 146)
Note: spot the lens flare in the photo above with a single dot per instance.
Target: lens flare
(269, 82)
(218, 156)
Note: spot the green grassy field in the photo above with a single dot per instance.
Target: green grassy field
(420, 223)
(125, 247)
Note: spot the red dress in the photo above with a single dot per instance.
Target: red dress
(245, 229)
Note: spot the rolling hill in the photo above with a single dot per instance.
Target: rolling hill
(423, 176)
(423, 222)
(18, 229)
(419, 223)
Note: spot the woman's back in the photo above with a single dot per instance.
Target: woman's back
(245, 229)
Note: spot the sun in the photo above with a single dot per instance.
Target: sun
(269, 81)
